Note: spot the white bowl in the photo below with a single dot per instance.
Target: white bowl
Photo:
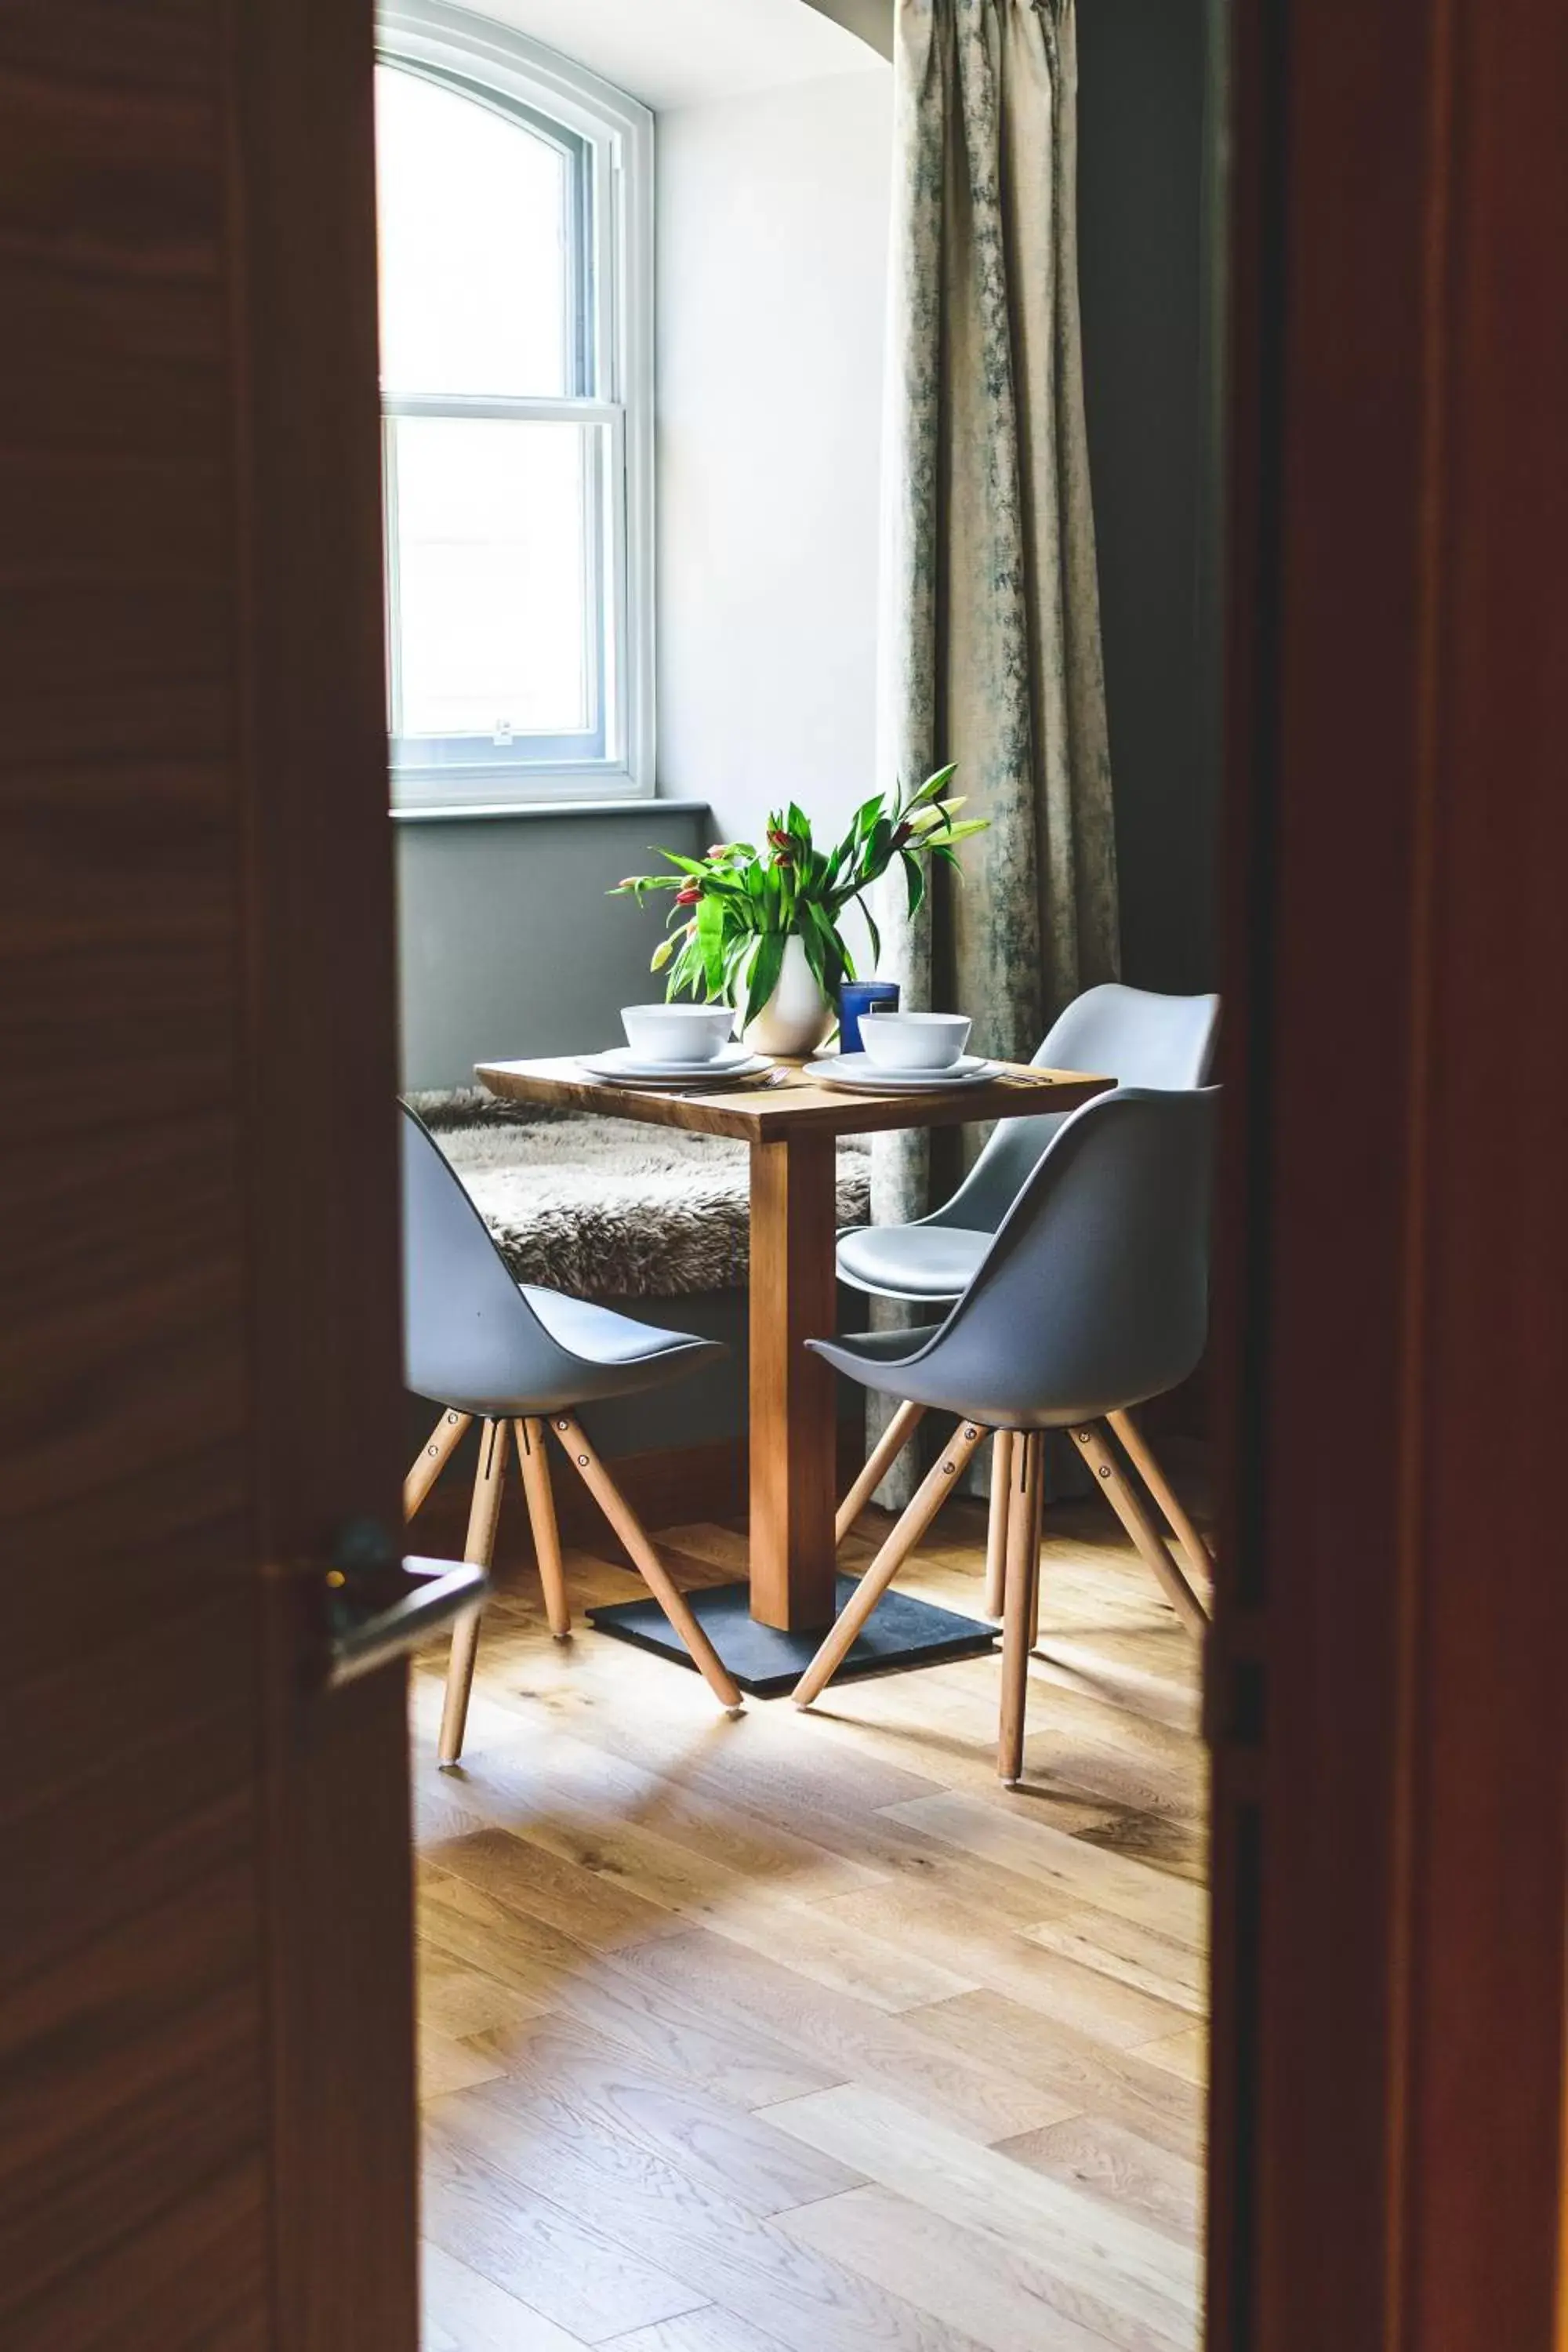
(678, 1032)
(914, 1041)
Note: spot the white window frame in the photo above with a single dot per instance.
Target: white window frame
(491, 60)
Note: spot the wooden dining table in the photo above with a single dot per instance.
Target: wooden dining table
(792, 1124)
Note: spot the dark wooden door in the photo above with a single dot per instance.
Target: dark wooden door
(1387, 1689)
(205, 2038)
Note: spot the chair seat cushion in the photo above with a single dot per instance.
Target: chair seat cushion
(600, 1336)
(912, 1261)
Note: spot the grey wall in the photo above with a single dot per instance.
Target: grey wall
(507, 944)
(1143, 288)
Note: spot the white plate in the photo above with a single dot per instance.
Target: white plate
(619, 1062)
(860, 1071)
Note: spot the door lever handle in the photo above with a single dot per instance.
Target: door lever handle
(380, 1606)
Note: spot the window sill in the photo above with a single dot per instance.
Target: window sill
(509, 812)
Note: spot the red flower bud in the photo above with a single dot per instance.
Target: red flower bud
(902, 836)
(688, 896)
(779, 840)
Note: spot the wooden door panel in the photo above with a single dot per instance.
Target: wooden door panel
(206, 2103)
(1390, 1830)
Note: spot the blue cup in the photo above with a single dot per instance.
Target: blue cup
(855, 999)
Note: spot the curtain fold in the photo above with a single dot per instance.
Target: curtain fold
(989, 622)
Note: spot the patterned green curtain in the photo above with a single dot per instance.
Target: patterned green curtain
(990, 631)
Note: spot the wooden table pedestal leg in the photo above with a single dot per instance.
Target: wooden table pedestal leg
(793, 1298)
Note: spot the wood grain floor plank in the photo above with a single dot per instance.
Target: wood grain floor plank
(1005, 1961)
(564, 2079)
(631, 1858)
(807, 1785)
(1134, 1955)
(1015, 1839)
(849, 2040)
(837, 1951)
(1186, 2055)
(798, 2034)
(952, 2272)
(712, 2330)
(533, 1777)
(457, 2001)
(1065, 1763)
(1140, 1671)
(593, 2285)
(1161, 1840)
(1109, 2270)
(448, 2065)
(462, 2312)
(1087, 2074)
(598, 1907)
(746, 2264)
(1135, 2174)
(734, 2059)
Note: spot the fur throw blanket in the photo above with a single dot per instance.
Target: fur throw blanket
(607, 1208)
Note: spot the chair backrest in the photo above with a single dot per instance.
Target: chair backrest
(1131, 1034)
(468, 1330)
(1094, 1294)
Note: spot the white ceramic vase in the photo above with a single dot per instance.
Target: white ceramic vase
(797, 1016)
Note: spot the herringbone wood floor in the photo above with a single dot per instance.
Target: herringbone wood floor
(799, 2032)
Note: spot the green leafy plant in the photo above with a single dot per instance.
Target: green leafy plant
(736, 907)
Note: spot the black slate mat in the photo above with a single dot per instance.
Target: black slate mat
(902, 1632)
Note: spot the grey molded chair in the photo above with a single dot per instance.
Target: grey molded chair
(1092, 1297)
(1138, 1038)
(514, 1357)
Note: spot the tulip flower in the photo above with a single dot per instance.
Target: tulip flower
(737, 908)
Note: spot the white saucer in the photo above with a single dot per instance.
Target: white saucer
(620, 1063)
(865, 1077)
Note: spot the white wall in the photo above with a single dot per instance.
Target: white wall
(772, 260)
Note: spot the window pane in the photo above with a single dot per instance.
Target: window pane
(496, 623)
(475, 218)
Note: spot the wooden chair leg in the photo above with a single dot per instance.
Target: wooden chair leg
(432, 1459)
(1025, 1501)
(1200, 1559)
(1129, 1508)
(535, 1464)
(882, 1457)
(997, 1530)
(480, 1546)
(933, 1493)
(655, 1575)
